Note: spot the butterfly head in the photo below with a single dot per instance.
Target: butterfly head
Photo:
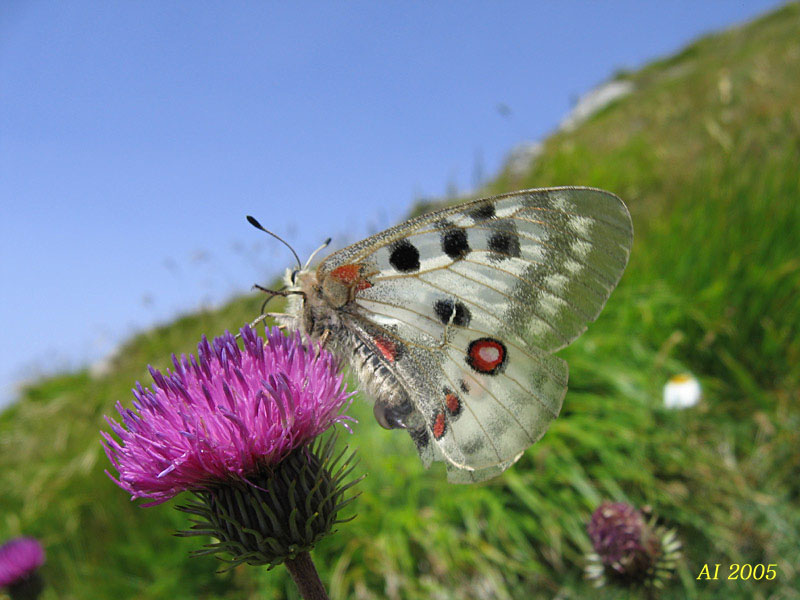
(315, 296)
(313, 300)
(299, 284)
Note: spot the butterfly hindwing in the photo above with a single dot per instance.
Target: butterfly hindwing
(507, 393)
(480, 401)
(458, 475)
(478, 296)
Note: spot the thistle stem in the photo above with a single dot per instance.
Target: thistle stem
(306, 578)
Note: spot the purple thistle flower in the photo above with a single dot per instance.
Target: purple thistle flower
(19, 560)
(225, 416)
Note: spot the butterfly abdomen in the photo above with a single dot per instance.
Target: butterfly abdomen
(377, 379)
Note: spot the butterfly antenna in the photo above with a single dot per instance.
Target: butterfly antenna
(315, 252)
(257, 225)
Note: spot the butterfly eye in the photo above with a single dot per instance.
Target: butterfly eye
(294, 275)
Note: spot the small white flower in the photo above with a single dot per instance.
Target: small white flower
(682, 391)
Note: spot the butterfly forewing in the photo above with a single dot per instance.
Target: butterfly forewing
(549, 257)
(477, 297)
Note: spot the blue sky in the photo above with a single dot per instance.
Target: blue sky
(134, 137)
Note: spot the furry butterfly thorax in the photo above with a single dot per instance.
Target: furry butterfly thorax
(450, 320)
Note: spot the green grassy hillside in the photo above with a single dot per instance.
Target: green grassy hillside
(706, 153)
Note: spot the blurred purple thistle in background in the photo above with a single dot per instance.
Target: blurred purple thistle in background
(20, 560)
(616, 532)
(628, 550)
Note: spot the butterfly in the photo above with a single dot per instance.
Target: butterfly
(450, 320)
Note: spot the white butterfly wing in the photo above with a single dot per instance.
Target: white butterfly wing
(477, 296)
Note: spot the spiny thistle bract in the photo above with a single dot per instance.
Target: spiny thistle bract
(278, 513)
(237, 428)
(628, 550)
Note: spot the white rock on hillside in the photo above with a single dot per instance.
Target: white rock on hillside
(595, 100)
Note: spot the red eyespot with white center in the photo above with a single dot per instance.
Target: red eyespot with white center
(487, 356)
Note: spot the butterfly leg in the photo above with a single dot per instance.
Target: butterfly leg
(256, 322)
(324, 338)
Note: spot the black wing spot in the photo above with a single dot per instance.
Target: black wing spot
(443, 310)
(447, 309)
(463, 316)
(455, 243)
(482, 212)
(404, 257)
(504, 244)
(420, 437)
(464, 387)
